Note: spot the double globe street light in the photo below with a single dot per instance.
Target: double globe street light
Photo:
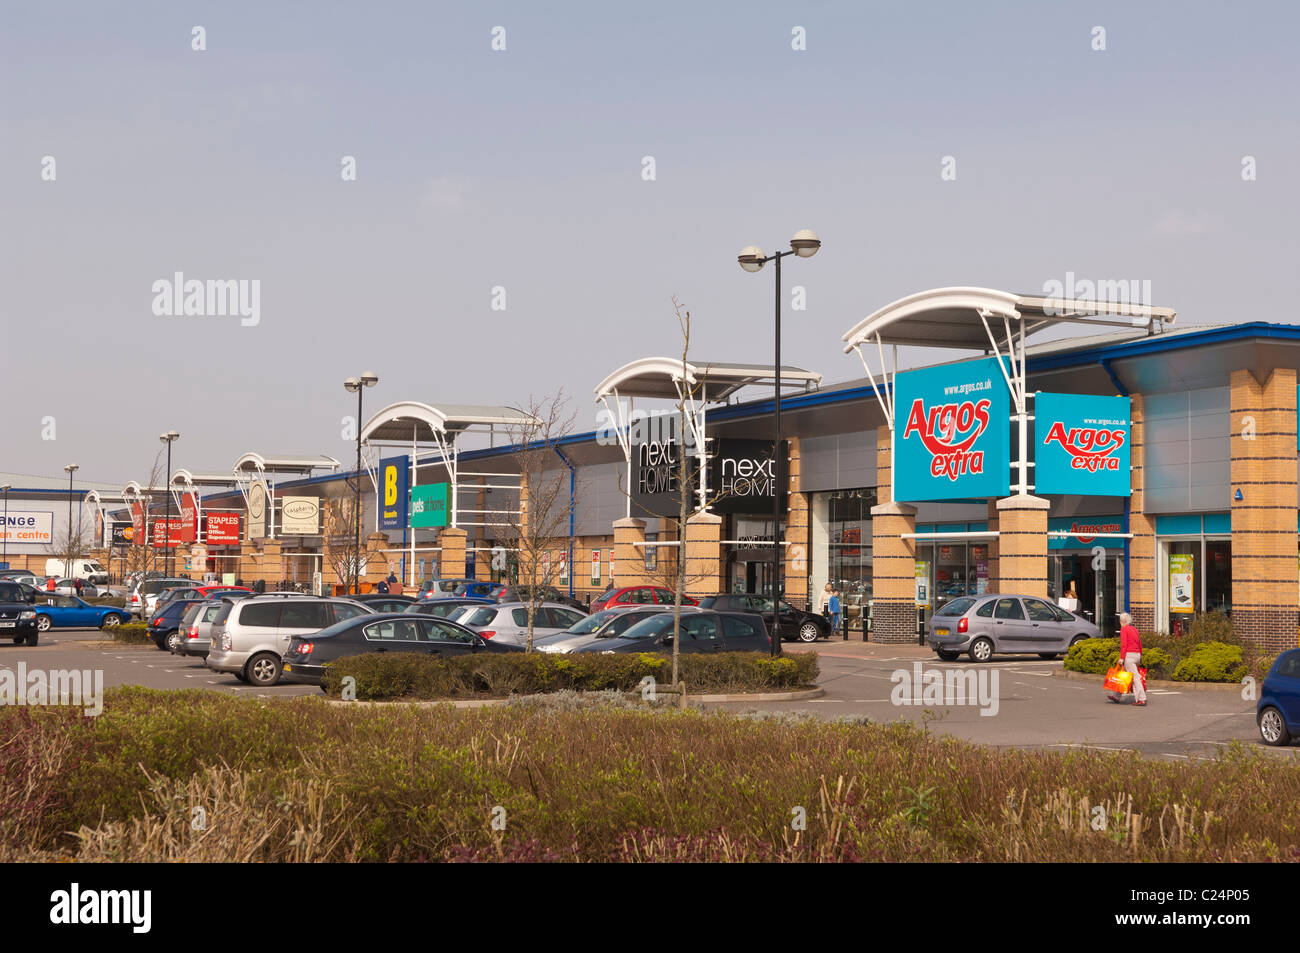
(358, 386)
(168, 438)
(804, 244)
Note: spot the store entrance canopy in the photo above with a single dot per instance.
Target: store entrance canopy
(982, 319)
(257, 467)
(696, 384)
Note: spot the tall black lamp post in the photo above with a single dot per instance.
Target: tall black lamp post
(70, 469)
(5, 558)
(168, 438)
(368, 379)
(804, 244)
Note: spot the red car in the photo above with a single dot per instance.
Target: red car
(639, 596)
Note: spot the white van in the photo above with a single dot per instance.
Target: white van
(87, 570)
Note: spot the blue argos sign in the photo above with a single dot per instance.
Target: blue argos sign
(394, 492)
(952, 432)
(1083, 445)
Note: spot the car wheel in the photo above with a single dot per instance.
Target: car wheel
(19, 639)
(1079, 638)
(948, 656)
(43, 623)
(1272, 727)
(174, 641)
(111, 622)
(33, 638)
(808, 632)
(241, 676)
(263, 669)
(1049, 656)
(981, 650)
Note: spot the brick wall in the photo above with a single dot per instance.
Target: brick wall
(1022, 545)
(893, 611)
(1142, 547)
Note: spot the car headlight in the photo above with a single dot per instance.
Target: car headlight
(28, 614)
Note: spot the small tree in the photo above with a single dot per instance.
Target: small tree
(545, 503)
(341, 535)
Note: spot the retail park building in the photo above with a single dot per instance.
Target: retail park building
(1152, 468)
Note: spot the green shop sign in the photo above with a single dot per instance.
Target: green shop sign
(429, 506)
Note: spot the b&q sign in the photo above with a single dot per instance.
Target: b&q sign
(952, 432)
(1083, 445)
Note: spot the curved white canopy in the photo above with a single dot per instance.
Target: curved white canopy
(187, 478)
(287, 463)
(413, 420)
(660, 376)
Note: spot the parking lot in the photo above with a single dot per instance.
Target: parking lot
(1035, 706)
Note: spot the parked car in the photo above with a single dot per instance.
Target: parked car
(441, 588)
(198, 594)
(606, 624)
(381, 602)
(508, 621)
(1001, 624)
(305, 659)
(165, 624)
(481, 590)
(544, 594)
(17, 617)
(23, 576)
(68, 587)
(251, 635)
(638, 596)
(196, 627)
(704, 630)
(445, 608)
(144, 594)
(795, 623)
(1278, 712)
(65, 612)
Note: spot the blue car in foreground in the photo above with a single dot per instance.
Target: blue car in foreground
(1278, 711)
(69, 612)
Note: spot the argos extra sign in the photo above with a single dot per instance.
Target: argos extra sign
(1083, 445)
(952, 432)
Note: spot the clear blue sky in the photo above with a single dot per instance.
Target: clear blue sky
(522, 169)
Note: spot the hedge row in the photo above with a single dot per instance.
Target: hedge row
(408, 675)
(1205, 662)
(130, 633)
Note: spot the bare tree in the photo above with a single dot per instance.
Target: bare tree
(341, 535)
(545, 503)
(69, 546)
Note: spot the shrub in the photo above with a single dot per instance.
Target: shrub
(1211, 627)
(1212, 662)
(130, 633)
(408, 675)
(1093, 656)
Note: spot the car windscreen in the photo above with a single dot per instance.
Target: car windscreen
(649, 628)
(957, 606)
(481, 616)
(708, 601)
(591, 623)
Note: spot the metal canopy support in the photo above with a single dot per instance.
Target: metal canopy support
(884, 392)
(623, 431)
(1012, 365)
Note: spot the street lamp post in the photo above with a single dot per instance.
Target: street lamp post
(168, 438)
(358, 385)
(5, 558)
(804, 244)
(71, 468)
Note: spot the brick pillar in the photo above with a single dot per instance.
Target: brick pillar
(483, 560)
(1142, 547)
(884, 484)
(994, 584)
(451, 561)
(893, 573)
(629, 558)
(269, 565)
(704, 563)
(376, 555)
(797, 534)
(247, 566)
(1022, 545)
(1263, 467)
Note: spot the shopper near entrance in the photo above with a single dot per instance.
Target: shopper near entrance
(1130, 654)
(825, 599)
(1070, 601)
(834, 606)
(382, 587)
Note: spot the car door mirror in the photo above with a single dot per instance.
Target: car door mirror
(666, 639)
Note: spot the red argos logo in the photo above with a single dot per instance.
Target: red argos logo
(1089, 448)
(948, 432)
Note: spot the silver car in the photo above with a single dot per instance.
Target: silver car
(999, 624)
(605, 624)
(508, 621)
(195, 633)
(250, 637)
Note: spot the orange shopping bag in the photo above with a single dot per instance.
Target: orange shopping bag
(1118, 680)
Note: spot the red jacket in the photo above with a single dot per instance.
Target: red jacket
(1129, 640)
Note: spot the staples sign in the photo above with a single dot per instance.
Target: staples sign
(951, 427)
(1083, 445)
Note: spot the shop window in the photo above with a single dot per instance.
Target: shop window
(1218, 575)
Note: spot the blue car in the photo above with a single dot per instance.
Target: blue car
(68, 612)
(1278, 711)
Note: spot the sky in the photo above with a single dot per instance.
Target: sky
(519, 176)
